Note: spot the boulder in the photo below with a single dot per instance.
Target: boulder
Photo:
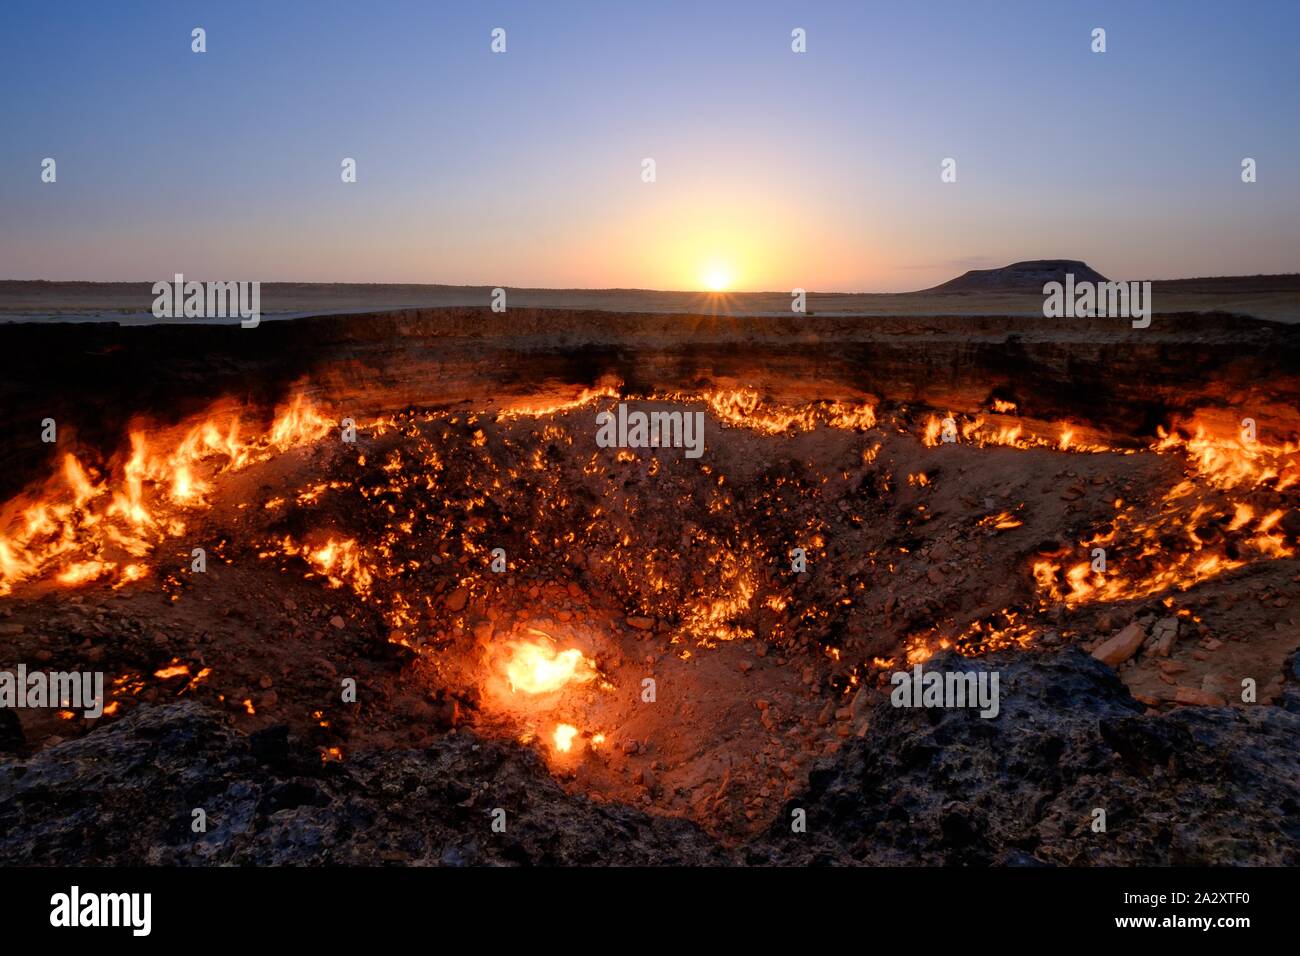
(1116, 650)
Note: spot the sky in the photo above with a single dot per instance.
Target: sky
(773, 169)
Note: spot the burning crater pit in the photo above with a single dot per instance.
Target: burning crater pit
(479, 566)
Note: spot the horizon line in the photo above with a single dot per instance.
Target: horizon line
(700, 292)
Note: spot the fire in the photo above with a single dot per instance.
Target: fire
(535, 667)
(338, 561)
(585, 397)
(563, 737)
(746, 408)
(930, 438)
(1200, 528)
(80, 524)
(1002, 521)
(1016, 434)
(1232, 462)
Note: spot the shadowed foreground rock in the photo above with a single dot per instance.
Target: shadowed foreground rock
(1197, 786)
(125, 794)
(1211, 786)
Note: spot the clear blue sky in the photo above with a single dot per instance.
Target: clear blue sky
(818, 170)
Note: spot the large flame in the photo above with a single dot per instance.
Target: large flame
(536, 667)
(85, 526)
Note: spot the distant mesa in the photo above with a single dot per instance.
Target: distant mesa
(1028, 276)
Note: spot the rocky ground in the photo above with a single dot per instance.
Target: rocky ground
(927, 786)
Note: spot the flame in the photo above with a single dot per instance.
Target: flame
(1002, 521)
(979, 432)
(585, 397)
(746, 408)
(535, 667)
(77, 527)
(339, 561)
(930, 438)
(1200, 528)
(1232, 462)
(563, 737)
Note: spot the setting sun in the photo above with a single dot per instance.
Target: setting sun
(717, 278)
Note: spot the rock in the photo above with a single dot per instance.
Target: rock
(1163, 635)
(11, 732)
(336, 622)
(9, 629)
(937, 786)
(271, 745)
(1068, 732)
(456, 600)
(1195, 697)
(641, 623)
(281, 806)
(1221, 685)
(1116, 650)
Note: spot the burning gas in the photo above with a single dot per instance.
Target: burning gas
(563, 737)
(87, 526)
(536, 667)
